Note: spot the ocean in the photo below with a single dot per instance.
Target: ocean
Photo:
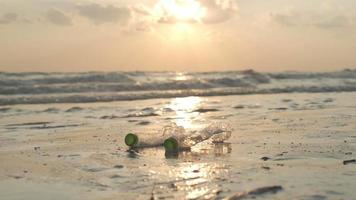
(37, 88)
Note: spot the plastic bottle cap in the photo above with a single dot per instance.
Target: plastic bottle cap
(131, 139)
(171, 144)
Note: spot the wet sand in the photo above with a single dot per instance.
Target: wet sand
(284, 146)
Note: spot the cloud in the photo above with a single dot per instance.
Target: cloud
(141, 9)
(174, 11)
(172, 20)
(8, 18)
(218, 11)
(312, 19)
(58, 18)
(338, 21)
(142, 26)
(205, 11)
(104, 14)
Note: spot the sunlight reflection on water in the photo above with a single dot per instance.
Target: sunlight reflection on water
(183, 108)
(181, 77)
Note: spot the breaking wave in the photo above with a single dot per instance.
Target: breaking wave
(33, 88)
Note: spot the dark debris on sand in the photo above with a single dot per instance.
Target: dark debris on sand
(30, 124)
(266, 167)
(143, 123)
(118, 166)
(205, 110)
(265, 158)
(74, 109)
(109, 117)
(346, 162)
(141, 115)
(4, 109)
(256, 192)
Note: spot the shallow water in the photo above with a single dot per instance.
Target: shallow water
(295, 141)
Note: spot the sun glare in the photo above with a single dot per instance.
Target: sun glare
(181, 10)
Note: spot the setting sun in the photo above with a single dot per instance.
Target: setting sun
(180, 10)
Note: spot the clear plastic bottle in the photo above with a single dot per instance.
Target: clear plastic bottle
(153, 139)
(143, 140)
(218, 132)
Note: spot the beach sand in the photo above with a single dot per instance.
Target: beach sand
(284, 146)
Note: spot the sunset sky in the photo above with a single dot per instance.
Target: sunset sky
(182, 35)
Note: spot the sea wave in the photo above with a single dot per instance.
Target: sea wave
(34, 88)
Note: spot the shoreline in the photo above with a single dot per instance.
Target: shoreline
(296, 141)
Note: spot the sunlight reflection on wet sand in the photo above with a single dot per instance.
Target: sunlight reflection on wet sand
(188, 174)
(185, 172)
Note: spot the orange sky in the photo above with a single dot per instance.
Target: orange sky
(181, 35)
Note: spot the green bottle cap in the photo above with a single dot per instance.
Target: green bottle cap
(171, 144)
(131, 139)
